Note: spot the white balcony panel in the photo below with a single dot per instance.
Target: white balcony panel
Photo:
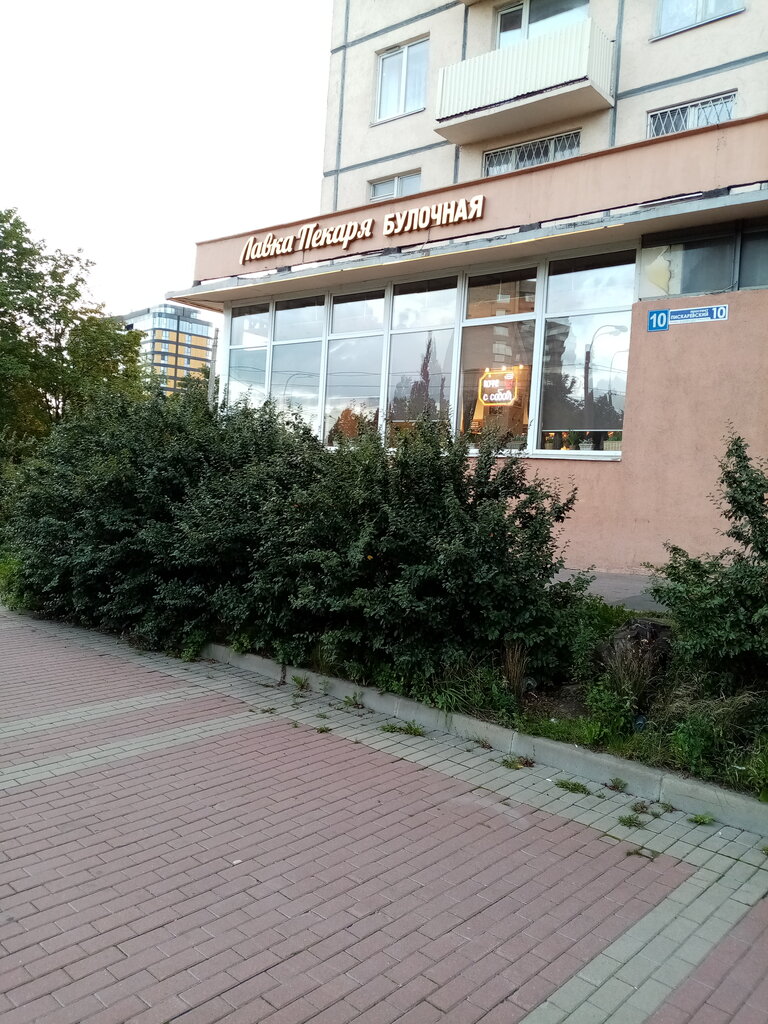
(564, 74)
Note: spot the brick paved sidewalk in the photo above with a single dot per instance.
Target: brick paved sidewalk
(191, 843)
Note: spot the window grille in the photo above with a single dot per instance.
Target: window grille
(531, 154)
(691, 115)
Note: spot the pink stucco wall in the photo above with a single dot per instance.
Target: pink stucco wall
(684, 387)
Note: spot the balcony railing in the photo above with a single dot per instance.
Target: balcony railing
(536, 82)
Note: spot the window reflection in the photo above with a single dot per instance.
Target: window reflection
(501, 294)
(299, 318)
(247, 375)
(356, 313)
(250, 325)
(585, 379)
(496, 364)
(591, 282)
(424, 304)
(419, 377)
(354, 383)
(295, 381)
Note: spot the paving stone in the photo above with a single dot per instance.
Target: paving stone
(167, 845)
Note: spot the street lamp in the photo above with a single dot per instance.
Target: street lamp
(613, 329)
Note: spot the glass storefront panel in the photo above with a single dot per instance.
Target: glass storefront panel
(295, 381)
(503, 294)
(584, 381)
(424, 304)
(357, 313)
(353, 388)
(299, 318)
(247, 375)
(591, 282)
(250, 325)
(496, 367)
(419, 377)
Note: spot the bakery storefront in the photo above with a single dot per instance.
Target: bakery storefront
(608, 312)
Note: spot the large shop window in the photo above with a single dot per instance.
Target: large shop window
(543, 354)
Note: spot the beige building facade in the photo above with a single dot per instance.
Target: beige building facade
(550, 216)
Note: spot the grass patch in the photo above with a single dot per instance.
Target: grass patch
(631, 821)
(517, 762)
(352, 700)
(701, 819)
(573, 787)
(407, 728)
(617, 785)
(324, 728)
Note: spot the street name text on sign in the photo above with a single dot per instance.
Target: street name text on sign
(662, 319)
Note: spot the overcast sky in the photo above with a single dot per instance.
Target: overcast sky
(133, 130)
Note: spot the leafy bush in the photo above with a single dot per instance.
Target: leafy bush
(174, 524)
(720, 602)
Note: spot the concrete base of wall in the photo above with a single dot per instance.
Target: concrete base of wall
(727, 807)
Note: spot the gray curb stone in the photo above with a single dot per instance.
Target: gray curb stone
(727, 807)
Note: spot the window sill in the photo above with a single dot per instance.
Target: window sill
(696, 24)
(397, 117)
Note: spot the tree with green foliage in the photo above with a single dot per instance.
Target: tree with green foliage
(56, 349)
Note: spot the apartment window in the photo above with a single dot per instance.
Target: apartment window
(531, 154)
(165, 347)
(392, 188)
(402, 87)
(713, 110)
(676, 15)
(537, 17)
(166, 334)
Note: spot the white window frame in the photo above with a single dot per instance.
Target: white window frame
(689, 108)
(532, 142)
(701, 18)
(524, 24)
(404, 49)
(396, 180)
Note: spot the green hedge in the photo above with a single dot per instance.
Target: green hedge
(174, 525)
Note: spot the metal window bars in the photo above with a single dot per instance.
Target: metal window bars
(691, 115)
(531, 154)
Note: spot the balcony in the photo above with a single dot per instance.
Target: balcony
(549, 78)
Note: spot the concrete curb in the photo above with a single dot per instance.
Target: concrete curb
(727, 807)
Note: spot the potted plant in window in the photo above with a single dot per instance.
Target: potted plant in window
(586, 444)
(549, 441)
(612, 442)
(570, 440)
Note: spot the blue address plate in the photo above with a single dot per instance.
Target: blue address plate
(661, 319)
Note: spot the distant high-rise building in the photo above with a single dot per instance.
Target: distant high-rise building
(177, 341)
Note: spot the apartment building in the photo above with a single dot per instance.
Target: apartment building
(176, 344)
(548, 215)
